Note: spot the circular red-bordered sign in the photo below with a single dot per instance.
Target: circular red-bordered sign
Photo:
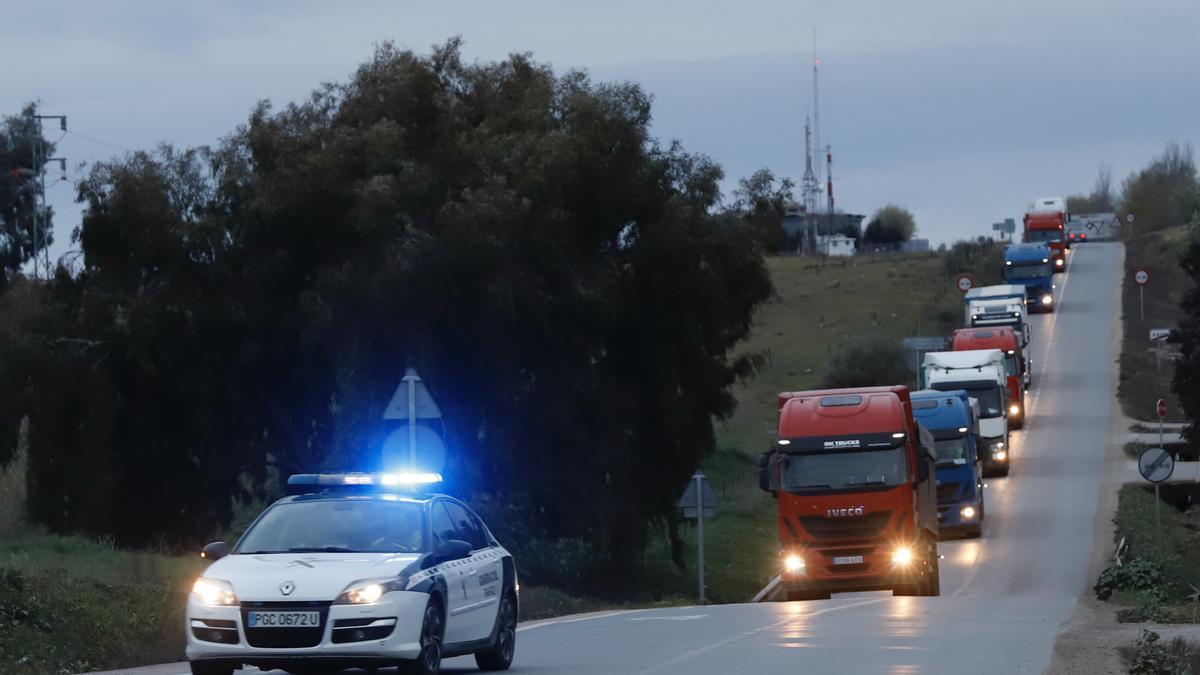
(1141, 277)
(964, 282)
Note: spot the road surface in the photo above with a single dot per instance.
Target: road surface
(1003, 596)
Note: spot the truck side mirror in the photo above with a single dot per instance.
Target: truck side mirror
(764, 471)
(922, 470)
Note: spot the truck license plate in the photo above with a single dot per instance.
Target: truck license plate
(283, 619)
(848, 560)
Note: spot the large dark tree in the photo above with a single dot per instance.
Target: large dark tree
(23, 152)
(556, 276)
(760, 201)
(890, 225)
(1164, 193)
(1186, 380)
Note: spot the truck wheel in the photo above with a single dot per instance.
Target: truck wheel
(807, 595)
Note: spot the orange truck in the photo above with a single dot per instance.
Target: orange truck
(853, 474)
(1015, 365)
(1045, 223)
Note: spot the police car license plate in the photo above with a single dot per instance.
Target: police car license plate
(283, 619)
(848, 560)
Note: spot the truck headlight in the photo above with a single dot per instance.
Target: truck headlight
(369, 591)
(793, 564)
(967, 512)
(1058, 262)
(1014, 410)
(902, 556)
(1047, 299)
(999, 455)
(214, 592)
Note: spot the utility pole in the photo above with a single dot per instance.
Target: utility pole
(41, 226)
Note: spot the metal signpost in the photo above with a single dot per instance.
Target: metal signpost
(699, 502)
(916, 348)
(1156, 465)
(412, 402)
(1141, 277)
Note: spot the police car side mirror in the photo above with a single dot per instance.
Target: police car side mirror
(214, 551)
(454, 549)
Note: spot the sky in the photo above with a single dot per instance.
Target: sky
(961, 111)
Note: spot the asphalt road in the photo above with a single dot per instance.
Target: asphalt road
(1003, 596)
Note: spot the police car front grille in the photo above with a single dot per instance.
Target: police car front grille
(285, 637)
(847, 528)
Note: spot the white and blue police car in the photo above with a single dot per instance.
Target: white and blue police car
(355, 571)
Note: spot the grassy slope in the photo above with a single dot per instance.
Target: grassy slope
(1142, 380)
(1174, 545)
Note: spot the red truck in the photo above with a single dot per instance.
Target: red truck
(1015, 365)
(1045, 223)
(853, 474)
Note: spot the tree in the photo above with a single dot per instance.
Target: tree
(761, 204)
(1186, 380)
(1100, 200)
(890, 225)
(23, 152)
(558, 278)
(867, 363)
(1164, 193)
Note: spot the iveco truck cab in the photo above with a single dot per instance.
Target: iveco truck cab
(1028, 265)
(1045, 222)
(1016, 365)
(854, 478)
(981, 373)
(953, 419)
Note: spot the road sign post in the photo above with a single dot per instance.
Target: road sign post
(1141, 277)
(412, 403)
(1156, 465)
(699, 501)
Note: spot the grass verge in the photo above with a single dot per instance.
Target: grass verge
(1172, 548)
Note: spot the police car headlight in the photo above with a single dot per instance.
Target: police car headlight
(214, 592)
(369, 591)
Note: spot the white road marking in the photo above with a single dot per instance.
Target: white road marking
(589, 617)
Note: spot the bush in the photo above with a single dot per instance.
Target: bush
(870, 362)
(1152, 657)
(1138, 574)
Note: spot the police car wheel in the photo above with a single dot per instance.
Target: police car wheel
(500, 655)
(429, 662)
(211, 668)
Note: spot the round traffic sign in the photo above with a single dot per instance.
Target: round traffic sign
(964, 282)
(1141, 277)
(1129, 218)
(1160, 407)
(1156, 465)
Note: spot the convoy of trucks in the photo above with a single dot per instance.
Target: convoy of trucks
(854, 476)
(1045, 222)
(1028, 265)
(868, 479)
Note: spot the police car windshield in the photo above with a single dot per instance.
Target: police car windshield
(842, 470)
(337, 526)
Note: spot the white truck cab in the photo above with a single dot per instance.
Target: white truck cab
(999, 305)
(980, 372)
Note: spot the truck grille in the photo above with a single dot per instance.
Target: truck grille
(285, 637)
(847, 528)
(947, 492)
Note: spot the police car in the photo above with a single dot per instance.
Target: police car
(355, 571)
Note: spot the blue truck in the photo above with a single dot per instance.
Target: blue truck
(1028, 265)
(953, 419)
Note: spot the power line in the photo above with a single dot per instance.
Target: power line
(97, 140)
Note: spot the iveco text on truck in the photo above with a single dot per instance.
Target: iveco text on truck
(853, 474)
(980, 372)
(953, 419)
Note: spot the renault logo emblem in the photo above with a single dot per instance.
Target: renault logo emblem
(287, 587)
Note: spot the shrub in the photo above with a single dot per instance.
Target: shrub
(1138, 574)
(870, 362)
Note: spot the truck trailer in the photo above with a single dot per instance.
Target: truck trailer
(1045, 223)
(998, 306)
(854, 477)
(981, 372)
(1016, 364)
(1028, 265)
(953, 419)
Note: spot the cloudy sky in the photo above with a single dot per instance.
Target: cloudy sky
(960, 110)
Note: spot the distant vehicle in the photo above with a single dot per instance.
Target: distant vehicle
(1045, 222)
(999, 305)
(853, 474)
(1084, 227)
(981, 372)
(1016, 364)
(953, 419)
(355, 571)
(1028, 265)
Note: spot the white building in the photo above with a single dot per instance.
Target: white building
(835, 245)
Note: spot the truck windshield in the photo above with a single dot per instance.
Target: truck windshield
(1010, 365)
(822, 471)
(1018, 272)
(989, 394)
(951, 451)
(1034, 236)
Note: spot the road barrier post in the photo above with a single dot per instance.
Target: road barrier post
(699, 477)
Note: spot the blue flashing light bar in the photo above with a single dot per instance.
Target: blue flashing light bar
(312, 482)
